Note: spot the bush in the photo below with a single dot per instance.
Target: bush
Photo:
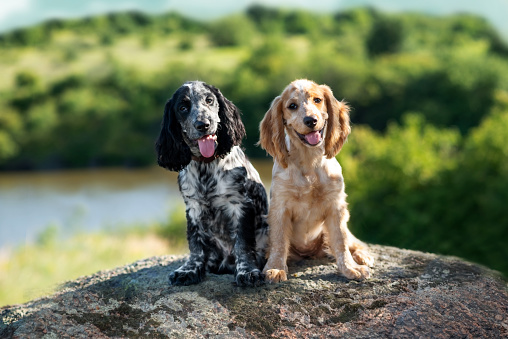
(455, 90)
(385, 37)
(26, 79)
(301, 22)
(8, 146)
(232, 31)
(430, 189)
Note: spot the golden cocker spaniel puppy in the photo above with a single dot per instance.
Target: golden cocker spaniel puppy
(303, 130)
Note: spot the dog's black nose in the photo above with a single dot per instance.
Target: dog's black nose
(310, 121)
(202, 126)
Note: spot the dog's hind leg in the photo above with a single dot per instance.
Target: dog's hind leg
(261, 242)
(218, 263)
(359, 251)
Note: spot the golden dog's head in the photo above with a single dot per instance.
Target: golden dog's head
(311, 116)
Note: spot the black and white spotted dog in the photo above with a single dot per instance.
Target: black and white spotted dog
(226, 202)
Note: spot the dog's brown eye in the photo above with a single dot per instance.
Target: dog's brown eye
(183, 109)
(292, 106)
(209, 101)
(317, 100)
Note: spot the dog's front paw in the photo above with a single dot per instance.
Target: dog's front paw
(185, 278)
(363, 257)
(274, 275)
(252, 278)
(355, 272)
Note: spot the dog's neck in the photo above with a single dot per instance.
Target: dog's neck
(203, 159)
(304, 157)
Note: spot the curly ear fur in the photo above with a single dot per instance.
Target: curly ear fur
(272, 136)
(172, 151)
(231, 130)
(338, 127)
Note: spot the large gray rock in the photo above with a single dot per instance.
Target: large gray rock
(411, 294)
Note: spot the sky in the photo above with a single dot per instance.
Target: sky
(21, 13)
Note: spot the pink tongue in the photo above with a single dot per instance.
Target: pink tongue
(313, 137)
(207, 146)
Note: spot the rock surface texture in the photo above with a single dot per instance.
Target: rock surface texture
(410, 294)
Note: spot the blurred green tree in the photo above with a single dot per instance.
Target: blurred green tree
(232, 31)
(385, 37)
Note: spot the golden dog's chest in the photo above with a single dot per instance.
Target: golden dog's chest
(308, 200)
(310, 191)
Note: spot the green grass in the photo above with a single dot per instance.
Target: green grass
(35, 270)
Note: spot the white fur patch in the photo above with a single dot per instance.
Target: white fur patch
(302, 84)
(194, 209)
(234, 212)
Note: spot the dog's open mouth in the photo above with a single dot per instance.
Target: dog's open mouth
(313, 138)
(207, 145)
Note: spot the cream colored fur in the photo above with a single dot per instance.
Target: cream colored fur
(308, 211)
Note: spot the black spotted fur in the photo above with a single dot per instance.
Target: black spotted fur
(226, 203)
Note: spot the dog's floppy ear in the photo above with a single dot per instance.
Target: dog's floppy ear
(172, 151)
(271, 133)
(231, 130)
(338, 127)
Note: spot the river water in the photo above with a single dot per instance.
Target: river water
(87, 200)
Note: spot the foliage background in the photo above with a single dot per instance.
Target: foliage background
(426, 164)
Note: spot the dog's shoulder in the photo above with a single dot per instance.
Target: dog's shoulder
(332, 167)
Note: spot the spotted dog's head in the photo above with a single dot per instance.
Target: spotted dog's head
(198, 121)
(311, 117)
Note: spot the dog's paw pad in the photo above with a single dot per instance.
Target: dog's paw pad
(363, 257)
(275, 276)
(184, 278)
(358, 272)
(252, 278)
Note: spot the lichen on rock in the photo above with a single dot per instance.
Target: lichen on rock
(410, 294)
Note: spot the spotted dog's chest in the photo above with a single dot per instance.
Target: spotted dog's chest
(213, 196)
(207, 183)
